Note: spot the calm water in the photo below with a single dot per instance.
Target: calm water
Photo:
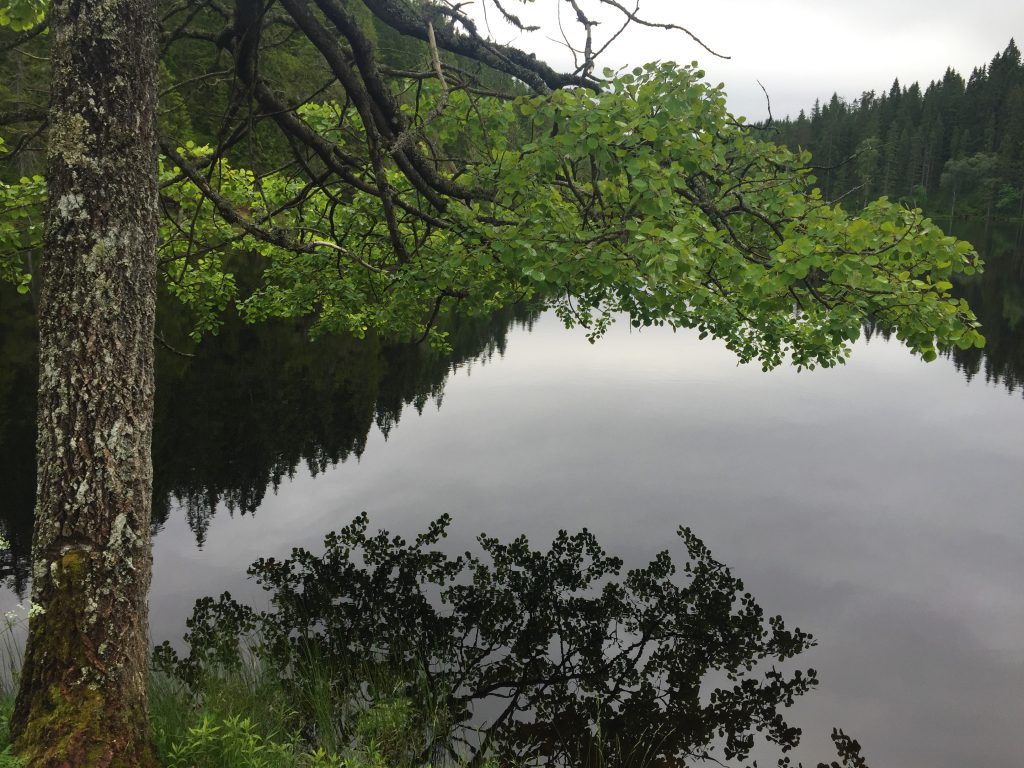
(879, 506)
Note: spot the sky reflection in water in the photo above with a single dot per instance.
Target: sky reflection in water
(877, 506)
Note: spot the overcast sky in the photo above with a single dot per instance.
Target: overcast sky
(800, 49)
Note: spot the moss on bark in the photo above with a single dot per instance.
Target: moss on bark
(73, 722)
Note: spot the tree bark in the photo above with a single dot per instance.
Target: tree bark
(82, 699)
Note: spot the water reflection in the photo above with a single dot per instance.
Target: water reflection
(252, 405)
(997, 295)
(255, 404)
(877, 504)
(17, 435)
(578, 663)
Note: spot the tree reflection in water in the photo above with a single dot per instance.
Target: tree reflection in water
(553, 657)
(255, 403)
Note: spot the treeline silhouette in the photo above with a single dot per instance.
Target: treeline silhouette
(258, 403)
(954, 148)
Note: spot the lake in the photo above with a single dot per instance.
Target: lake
(879, 506)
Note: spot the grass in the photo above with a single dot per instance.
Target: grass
(250, 716)
(241, 721)
(247, 718)
(7, 759)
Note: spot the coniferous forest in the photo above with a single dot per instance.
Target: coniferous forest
(954, 148)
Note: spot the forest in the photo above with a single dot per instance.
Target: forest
(954, 147)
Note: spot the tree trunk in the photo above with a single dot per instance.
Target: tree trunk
(82, 700)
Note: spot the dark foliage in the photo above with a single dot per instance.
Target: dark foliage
(555, 656)
(955, 147)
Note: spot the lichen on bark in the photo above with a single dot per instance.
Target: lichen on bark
(82, 698)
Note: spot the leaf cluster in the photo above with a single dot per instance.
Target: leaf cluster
(21, 227)
(22, 15)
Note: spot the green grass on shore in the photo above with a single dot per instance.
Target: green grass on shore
(248, 719)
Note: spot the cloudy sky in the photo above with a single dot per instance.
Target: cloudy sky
(799, 49)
